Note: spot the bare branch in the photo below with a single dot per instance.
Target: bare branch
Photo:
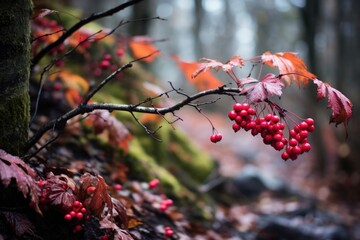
(60, 122)
(80, 24)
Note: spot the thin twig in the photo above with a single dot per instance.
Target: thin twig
(80, 24)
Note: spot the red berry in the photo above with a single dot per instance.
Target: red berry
(275, 119)
(168, 202)
(251, 125)
(277, 137)
(303, 126)
(268, 117)
(77, 228)
(293, 157)
(304, 133)
(77, 204)
(285, 156)
(79, 215)
(243, 113)
(218, 137)
(293, 142)
(311, 128)
(310, 121)
(104, 64)
(118, 187)
(41, 183)
(279, 146)
(107, 57)
(297, 128)
(245, 106)
(120, 52)
(213, 138)
(254, 132)
(251, 111)
(236, 127)
(72, 213)
(306, 147)
(232, 115)
(237, 107)
(90, 190)
(281, 126)
(296, 150)
(292, 133)
(163, 207)
(264, 125)
(154, 183)
(104, 237)
(83, 210)
(169, 233)
(67, 217)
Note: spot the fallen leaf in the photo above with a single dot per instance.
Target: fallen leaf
(12, 168)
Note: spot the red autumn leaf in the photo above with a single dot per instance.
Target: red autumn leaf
(60, 190)
(102, 121)
(269, 86)
(290, 65)
(100, 198)
(340, 105)
(12, 168)
(142, 46)
(235, 61)
(207, 80)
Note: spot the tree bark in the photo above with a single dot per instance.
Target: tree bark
(15, 52)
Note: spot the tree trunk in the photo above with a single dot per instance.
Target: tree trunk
(15, 55)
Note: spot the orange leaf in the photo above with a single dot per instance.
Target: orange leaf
(142, 46)
(207, 80)
(71, 80)
(73, 97)
(290, 65)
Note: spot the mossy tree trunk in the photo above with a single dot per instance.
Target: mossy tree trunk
(14, 74)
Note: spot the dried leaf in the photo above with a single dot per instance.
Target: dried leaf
(235, 61)
(207, 80)
(340, 105)
(142, 46)
(290, 65)
(269, 86)
(13, 168)
(118, 134)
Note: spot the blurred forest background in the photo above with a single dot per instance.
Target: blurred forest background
(324, 33)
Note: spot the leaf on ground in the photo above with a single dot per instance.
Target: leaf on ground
(102, 121)
(142, 46)
(206, 64)
(290, 65)
(340, 105)
(12, 168)
(207, 80)
(119, 234)
(18, 222)
(269, 86)
(60, 189)
(100, 198)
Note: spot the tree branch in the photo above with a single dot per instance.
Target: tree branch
(80, 24)
(60, 122)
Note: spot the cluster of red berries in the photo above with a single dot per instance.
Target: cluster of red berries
(165, 204)
(168, 232)
(77, 213)
(106, 63)
(216, 137)
(43, 198)
(298, 142)
(271, 129)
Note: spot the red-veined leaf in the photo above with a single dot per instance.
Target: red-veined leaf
(12, 168)
(206, 64)
(340, 105)
(269, 86)
(142, 46)
(100, 198)
(207, 80)
(289, 65)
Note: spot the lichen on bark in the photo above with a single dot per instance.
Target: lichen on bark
(15, 52)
